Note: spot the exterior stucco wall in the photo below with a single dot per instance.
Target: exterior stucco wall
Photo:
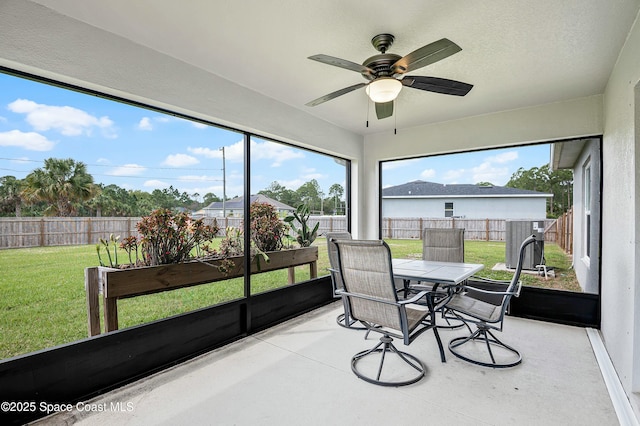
(587, 268)
(621, 218)
(468, 208)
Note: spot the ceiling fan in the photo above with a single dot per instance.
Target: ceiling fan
(386, 73)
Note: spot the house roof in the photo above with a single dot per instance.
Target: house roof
(565, 155)
(422, 189)
(238, 203)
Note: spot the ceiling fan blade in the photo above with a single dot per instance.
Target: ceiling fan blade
(335, 94)
(426, 55)
(343, 63)
(384, 109)
(437, 85)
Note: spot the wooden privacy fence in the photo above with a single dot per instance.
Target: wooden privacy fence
(563, 229)
(474, 229)
(64, 231)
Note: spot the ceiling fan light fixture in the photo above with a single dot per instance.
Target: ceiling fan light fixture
(383, 89)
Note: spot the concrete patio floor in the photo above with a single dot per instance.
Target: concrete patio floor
(298, 373)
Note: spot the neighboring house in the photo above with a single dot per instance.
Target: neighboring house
(428, 199)
(235, 207)
(583, 157)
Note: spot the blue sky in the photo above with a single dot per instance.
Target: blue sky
(141, 149)
(495, 166)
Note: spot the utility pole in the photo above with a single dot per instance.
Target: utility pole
(224, 185)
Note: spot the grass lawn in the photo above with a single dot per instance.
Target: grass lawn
(42, 297)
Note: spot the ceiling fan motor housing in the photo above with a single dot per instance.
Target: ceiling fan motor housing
(381, 64)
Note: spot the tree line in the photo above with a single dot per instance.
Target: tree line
(543, 179)
(64, 187)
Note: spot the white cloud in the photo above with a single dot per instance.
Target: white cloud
(127, 170)
(316, 176)
(486, 172)
(451, 176)
(67, 120)
(234, 153)
(31, 141)
(102, 160)
(180, 160)
(206, 152)
(427, 173)
(155, 184)
(145, 124)
(199, 125)
(259, 151)
(505, 157)
(274, 151)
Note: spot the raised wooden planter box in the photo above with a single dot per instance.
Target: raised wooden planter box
(117, 284)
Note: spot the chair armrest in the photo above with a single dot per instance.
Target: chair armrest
(487, 280)
(414, 299)
(344, 293)
(516, 292)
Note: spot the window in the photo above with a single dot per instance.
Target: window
(448, 209)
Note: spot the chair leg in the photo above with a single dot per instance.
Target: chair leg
(344, 321)
(443, 358)
(383, 347)
(484, 334)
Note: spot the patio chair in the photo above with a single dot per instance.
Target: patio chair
(484, 302)
(344, 319)
(441, 245)
(370, 292)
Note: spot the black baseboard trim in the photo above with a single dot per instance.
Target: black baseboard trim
(561, 307)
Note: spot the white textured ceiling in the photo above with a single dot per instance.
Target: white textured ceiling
(516, 53)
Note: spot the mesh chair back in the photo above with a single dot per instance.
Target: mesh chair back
(332, 251)
(366, 270)
(515, 281)
(514, 286)
(443, 245)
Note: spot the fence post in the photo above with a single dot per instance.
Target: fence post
(421, 228)
(486, 227)
(93, 307)
(88, 230)
(42, 232)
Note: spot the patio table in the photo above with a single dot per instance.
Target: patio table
(439, 273)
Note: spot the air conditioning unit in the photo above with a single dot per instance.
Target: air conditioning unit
(516, 232)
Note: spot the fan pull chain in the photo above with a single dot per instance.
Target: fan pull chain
(395, 120)
(368, 106)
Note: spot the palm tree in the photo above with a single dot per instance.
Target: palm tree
(10, 193)
(62, 183)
